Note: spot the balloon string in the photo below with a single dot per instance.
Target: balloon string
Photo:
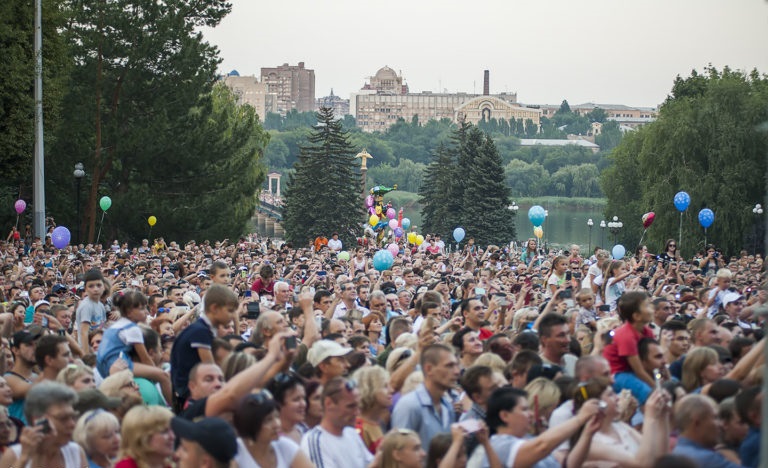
(17, 221)
(641, 238)
(100, 225)
(680, 234)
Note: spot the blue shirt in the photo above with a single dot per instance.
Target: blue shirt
(704, 457)
(415, 411)
(749, 452)
(184, 355)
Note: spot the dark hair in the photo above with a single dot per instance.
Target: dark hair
(549, 321)
(320, 294)
(221, 296)
(128, 299)
(672, 460)
(737, 346)
(92, 275)
(502, 399)
(723, 388)
(438, 447)
(282, 383)
(151, 338)
(527, 341)
(216, 266)
(522, 363)
(458, 338)
(674, 326)
(47, 345)
(431, 354)
(251, 413)
(629, 303)
(745, 403)
(470, 381)
(643, 347)
(426, 305)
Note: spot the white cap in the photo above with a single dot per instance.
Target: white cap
(324, 349)
(731, 297)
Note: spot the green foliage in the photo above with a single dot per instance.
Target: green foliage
(436, 192)
(529, 179)
(323, 195)
(406, 174)
(610, 136)
(707, 141)
(564, 108)
(597, 115)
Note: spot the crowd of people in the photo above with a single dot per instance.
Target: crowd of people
(258, 353)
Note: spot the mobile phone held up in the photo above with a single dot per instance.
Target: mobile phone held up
(252, 310)
(290, 342)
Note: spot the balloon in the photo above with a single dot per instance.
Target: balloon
(373, 220)
(378, 210)
(152, 221)
(648, 219)
(391, 213)
(682, 200)
(371, 210)
(706, 218)
(538, 232)
(369, 201)
(537, 215)
(419, 239)
(412, 237)
(618, 251)
(383, 260)
(394, 249)
(398, 232)
(458, 234)
(60, 237)
(392, 224)
(20, 206)
(105, 203)
(406, 224)
(343, 255)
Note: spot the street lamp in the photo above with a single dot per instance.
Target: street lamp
(758, 211)
(546, 215)
(590, 223)
(602, 233)
(615, 226)
(79, 173)
(513, 208)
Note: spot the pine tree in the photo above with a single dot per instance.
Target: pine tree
(436, 190)
(323, 195)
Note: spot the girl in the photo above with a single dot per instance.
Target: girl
(587, 313)
(670, 252)
(613, 284)
(530, 254)
(557, 276)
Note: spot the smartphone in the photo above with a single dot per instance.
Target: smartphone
(479, 291)
(248, 293)
(322, 273)
(290, 342)
(470, 425)
(303, 267)
(604, 308)
(116, 272)
(568, 275)
(45, 322)
(252, 311)
(45, 424)
(657, 378)
(501, 299)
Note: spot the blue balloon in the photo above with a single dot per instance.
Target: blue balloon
(682, 200)
(458, 234)
(383, 260)
(406, 224)
(618, 251)
(60, 237)
(537, 215)
(398, 232)
(706, 218)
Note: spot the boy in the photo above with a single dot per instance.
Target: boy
(193, 345)
(91, 313)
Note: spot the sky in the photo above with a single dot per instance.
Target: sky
(602, 51)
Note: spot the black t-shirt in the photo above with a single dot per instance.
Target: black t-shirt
(194, 409)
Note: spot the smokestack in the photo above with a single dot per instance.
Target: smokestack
(486, 82)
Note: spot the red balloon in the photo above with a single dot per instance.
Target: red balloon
(648, 219)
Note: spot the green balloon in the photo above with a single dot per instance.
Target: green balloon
(105, 203)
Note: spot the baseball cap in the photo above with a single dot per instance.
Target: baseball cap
(24, 337)
(731, 297)
(41, 302)
(214, 435)
(91, 399)
(324, 349)
(58, 288)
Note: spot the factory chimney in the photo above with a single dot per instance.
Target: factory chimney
(486, 83)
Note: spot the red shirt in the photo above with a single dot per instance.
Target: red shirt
(485, 334)
(260, 288)
(624, 345)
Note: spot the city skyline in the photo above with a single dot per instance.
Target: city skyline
(590, 51)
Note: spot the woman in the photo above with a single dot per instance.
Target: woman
(401, 448)
(121, 385)
(8, 429)
(700, 368)
(19, 310)
(530, 255)
(375, 401)
(616, 444)
(313, 391)
(147, 438)
(467, 343)
(544, 395)
(291, 397)
(712, 262)
(374, 324)
(670, 252)
(77, 377)
(640, 258)
(98, 432)
(47, 443)
(260, 444)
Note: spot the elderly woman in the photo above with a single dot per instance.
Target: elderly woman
(147, 438)
(77, 377)
(98, 432)
(121, 385)
(48, 442)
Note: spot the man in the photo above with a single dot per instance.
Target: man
(52, 354)
(696, 416)
(428, 409)
(361, 302)
(733, 304)
(378, 303)
(334, 443)
(678, 342)
(322, 300)
(395, 328)
(328, 359)
(205, 379)
(474, 313)
(555, 343)
(428, 308)
(21, 377)
(662, 310)
(36, 293)
(749, 405)
(208, 443)
(268, 324)
(176, 294)
(282, 296)
(478, 383)
(651, 356)
(703, 333)
(348, 295)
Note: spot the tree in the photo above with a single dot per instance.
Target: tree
(526, 180)
(707, 141)
(597, 115)
(564, 108)
(323, 196)
(609, 137)
(436, 190)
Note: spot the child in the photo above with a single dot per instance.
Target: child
(193, 345)
(636, 311)
(91, 313)
(613, 284)
(587, 313)
(557, 276)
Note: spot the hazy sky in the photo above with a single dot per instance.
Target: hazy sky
(605, 51)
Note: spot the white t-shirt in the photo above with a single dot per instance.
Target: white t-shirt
(329, 451)
(129, 335)
(285, 452)
(613, 290)
(334, 244)
(594, 272)
(92, 312)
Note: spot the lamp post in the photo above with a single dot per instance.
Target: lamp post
(79, 173)
(615, 226)
(546, 216)
(758, 211)
(590, 223)
(513, 208)
(602, 234)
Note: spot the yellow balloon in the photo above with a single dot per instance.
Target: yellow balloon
(373, 220)
(152, 220)
(538, 232)
(419, 239)
(378, 210)
(412, 237)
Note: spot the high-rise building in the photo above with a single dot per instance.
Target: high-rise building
(293, 85)
(339, 105)
(249, 91)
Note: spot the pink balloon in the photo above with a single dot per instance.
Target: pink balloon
(20, 206)
(371, 210)
(394, 249)
(369, 201)
(391, 213)
(392, 223)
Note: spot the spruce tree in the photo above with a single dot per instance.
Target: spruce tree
(436, 190)
(323, 195)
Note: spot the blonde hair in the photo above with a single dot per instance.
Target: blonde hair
(72, 372)
(406, 340)
(724, 273)
(92, 423)
(139, 425)
(394, 440)
(492, 360)
(112, 385)
(695, 362)
(411, 382)
(545, 391)
(370, 380)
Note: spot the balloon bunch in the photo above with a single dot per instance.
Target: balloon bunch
(706, 216)
(383, 216)
(537, 215)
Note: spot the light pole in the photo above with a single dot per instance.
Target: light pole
(590, 224)
(546, 215)
(79, 173)
(602, 234)
(758, 211)
(513, 208)
(615, 226)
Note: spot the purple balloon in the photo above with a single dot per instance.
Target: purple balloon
(372, 210)
(398, 232)
(20, 206)
(369, 201)
(60, 237)
(391, 213)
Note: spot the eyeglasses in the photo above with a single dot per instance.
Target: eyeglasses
(260, 398)
(63, 418)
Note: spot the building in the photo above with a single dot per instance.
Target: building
(249, 91)
(339, 105)
(385, 99)
(293, 85)
(625, 115)
(575, 142)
